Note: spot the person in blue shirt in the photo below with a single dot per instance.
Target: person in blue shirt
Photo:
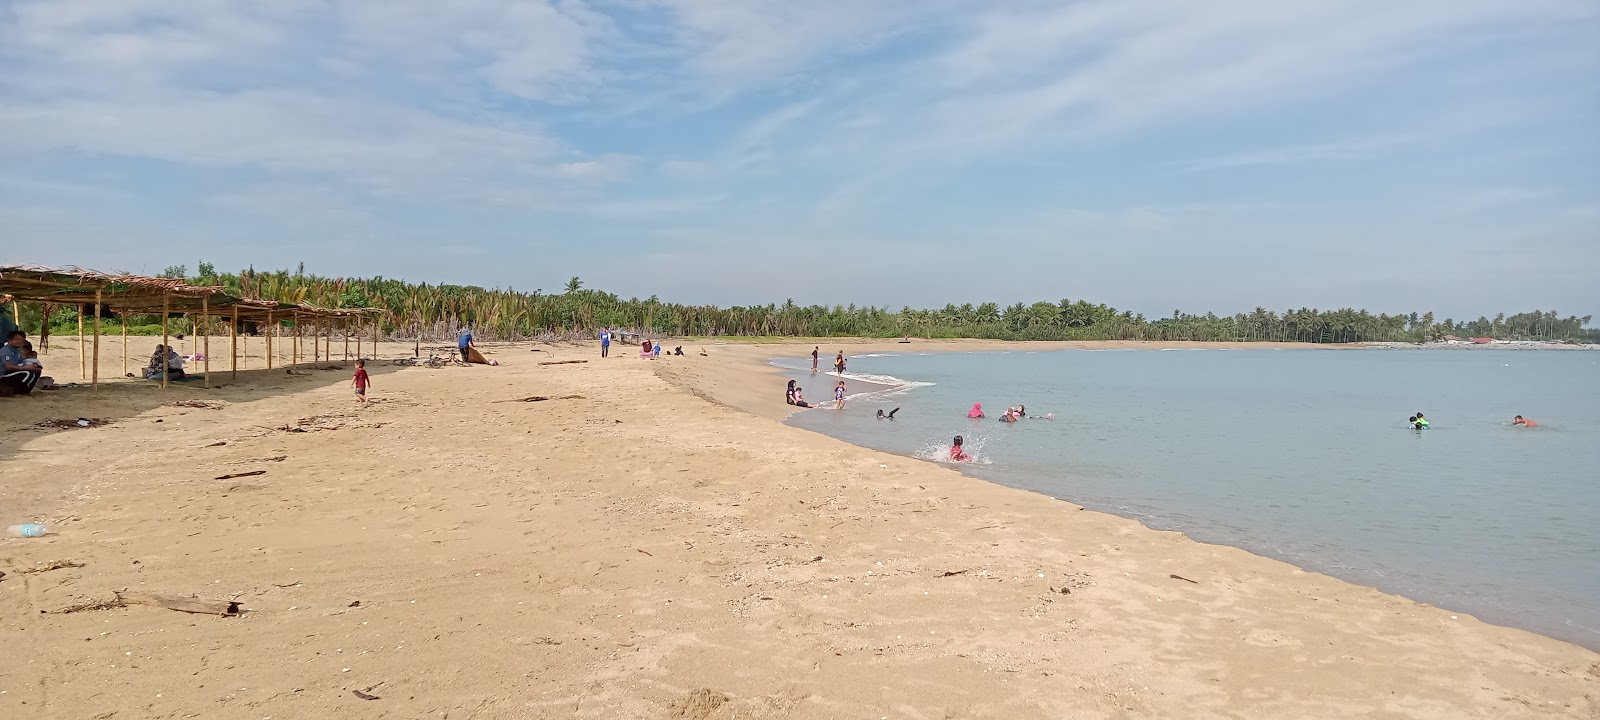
(20, 376)
(605, 342)
(465, 343)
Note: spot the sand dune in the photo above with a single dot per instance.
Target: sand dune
(641, 551)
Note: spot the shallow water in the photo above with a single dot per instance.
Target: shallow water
(1299, 455)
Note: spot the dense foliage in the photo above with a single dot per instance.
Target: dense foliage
(438, 311)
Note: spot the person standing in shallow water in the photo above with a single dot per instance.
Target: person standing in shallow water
(838, 363)
(814, 352)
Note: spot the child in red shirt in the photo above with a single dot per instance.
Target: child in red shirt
(362, 381)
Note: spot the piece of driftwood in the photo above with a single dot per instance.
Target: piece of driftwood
(563, 362)
(52, 565)
(542, 398)
(231, 476)
(1180, 577)
(949, 573)
(226, 608)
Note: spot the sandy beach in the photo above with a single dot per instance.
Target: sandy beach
(648, 542)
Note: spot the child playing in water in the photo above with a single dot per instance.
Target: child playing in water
(799, 400)
(838, 396)
(361, 381)
(956, 453)
(1524, 422)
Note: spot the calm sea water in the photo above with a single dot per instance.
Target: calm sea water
(1304, 456)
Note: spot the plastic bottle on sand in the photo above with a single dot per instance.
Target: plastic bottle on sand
(30, 530)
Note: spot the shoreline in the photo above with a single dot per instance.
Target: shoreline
(625, 548)
(753, 403)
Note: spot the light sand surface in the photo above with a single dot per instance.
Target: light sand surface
(640, 552)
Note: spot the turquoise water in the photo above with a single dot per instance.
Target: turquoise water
(1300, 455)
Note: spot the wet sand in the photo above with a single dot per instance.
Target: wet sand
(647, 550)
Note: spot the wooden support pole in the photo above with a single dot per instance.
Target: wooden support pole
(233, 332)
(358, 338)
(83, 355)
(294, 351)
(44, 325)
(124, 316)
(94, 379)
(267, 334)
(345, 329)
(166, 347)
(375, 323)
(205, 340)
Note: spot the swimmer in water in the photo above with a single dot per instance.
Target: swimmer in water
(1417, 423)
(957, 454)
(1524, 422)
(976, 411)
(1422, 421)
(887, 416)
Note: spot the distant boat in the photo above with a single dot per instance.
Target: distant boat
(1482, 341)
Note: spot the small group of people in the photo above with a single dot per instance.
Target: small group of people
(794, 396)
(173, 364)
(838, 360)
(1420, 422)
(1012, 414)
(20, 369)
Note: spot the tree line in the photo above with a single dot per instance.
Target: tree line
(438, 312)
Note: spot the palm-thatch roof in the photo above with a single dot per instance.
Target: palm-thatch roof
(128, 293)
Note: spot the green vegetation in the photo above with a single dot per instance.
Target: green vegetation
(437, 311)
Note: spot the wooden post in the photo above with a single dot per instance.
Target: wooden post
(233, 332)
(83, 355)
(94, 381)
(124, 316)
(166, 348)
(268, 336)
(205, 339)
(44, 325)
(345, 328)
(294, 346)
(358, 337)
(375, 323)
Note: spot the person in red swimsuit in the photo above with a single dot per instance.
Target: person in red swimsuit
(957, 454)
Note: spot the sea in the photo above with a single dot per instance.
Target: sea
(1301, 455)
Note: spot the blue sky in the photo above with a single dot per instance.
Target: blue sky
(1149, 154)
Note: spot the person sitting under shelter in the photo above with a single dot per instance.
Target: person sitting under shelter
(19, 375)
(174, 364)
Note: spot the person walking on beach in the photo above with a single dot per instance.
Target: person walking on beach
(465, 344)
(605, 342)
(838, 396)
(361, 381)
(814, 359)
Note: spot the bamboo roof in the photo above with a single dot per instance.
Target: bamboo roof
(128, 293)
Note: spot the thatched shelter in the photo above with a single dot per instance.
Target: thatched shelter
(96, 293)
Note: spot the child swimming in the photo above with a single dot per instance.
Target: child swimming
(1524, 422)
(887, 416)
(956, 453)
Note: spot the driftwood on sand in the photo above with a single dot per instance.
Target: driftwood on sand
(227, 608)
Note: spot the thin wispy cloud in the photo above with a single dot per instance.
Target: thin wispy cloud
(560, 133)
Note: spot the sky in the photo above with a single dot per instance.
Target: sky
(1423, 155)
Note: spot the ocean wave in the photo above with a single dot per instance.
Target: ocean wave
(873, 355)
